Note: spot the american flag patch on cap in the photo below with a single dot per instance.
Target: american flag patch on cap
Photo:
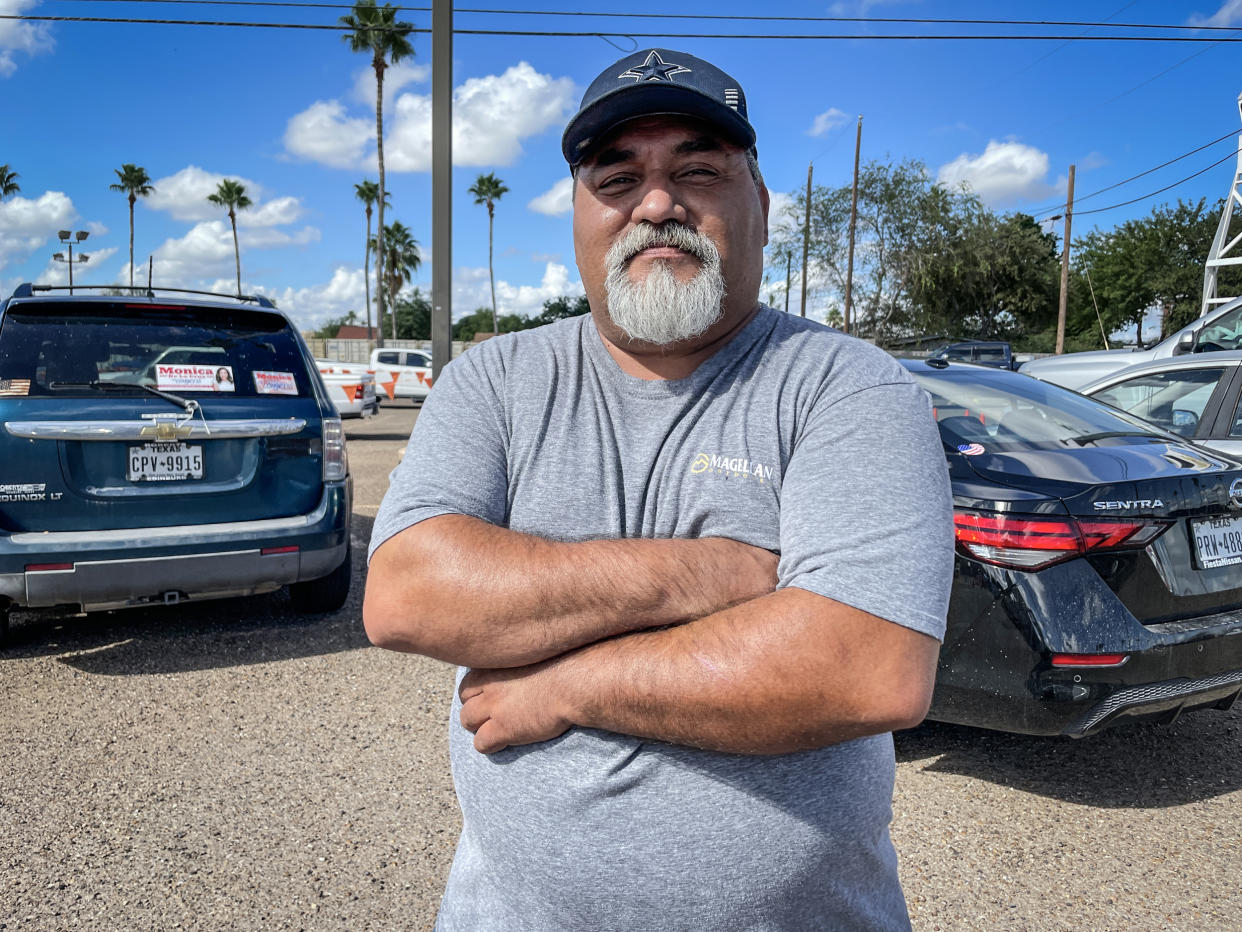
(14, 387)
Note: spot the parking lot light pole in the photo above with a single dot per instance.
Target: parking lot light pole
(69, 238)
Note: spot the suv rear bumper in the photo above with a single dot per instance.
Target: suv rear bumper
(131, 567)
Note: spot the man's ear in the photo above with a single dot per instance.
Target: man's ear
(765, 202)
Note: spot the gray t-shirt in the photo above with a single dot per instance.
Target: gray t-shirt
(794, 438)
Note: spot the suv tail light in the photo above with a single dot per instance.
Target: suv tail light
(335, 460)
(1030, 542)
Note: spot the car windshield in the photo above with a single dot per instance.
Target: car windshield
(1021, 413)
(79, 348)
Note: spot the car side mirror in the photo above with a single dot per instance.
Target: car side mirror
(1186, 342)
(1185, 422)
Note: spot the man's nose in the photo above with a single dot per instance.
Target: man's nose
(658, 204)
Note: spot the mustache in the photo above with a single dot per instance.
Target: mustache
(669, 233)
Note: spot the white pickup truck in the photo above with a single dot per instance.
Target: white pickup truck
(402, 373)
(351, 386)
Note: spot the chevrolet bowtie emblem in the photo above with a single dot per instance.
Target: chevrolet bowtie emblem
(166, 430)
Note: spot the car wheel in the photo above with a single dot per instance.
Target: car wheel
(326, 594)
(4, 623)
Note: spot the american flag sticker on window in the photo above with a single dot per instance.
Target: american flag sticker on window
(12, 387)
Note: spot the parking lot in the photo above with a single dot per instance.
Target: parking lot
(232, 765)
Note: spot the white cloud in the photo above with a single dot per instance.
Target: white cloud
(1093, 160)
(26, 225)
(781, 219)
(1229, 14)
(184, 194)
(471, 291)
(1006, 172)
(315, 305)
(19, 36)
(207, 250)
(827, 121)
(491, 117)
(395, 78)
(556, 201)
(322, 133)
(270, 213)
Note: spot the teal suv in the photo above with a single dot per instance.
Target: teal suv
(159, 449)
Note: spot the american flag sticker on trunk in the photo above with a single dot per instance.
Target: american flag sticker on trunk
(14, 387)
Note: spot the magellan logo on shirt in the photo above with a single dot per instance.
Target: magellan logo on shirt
(737, 467)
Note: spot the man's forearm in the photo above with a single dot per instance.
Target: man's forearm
(465, 591)
(785, 672)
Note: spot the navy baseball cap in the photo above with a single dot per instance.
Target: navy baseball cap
(658, 82)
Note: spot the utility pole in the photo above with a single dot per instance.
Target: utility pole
(1069, 215)
(441, 185)
(806, 235)
(849, 270)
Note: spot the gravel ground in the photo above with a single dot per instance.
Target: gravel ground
(231, 765)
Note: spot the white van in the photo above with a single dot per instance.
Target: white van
(402, 373)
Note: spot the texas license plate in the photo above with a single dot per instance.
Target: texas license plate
(164, 462)
(1218, 541)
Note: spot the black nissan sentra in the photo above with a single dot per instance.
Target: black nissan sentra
(1098, 577)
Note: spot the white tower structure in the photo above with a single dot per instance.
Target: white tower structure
(1223, 248)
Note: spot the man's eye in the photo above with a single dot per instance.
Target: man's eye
(616, 181)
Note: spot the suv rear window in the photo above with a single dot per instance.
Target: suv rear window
(61, 348)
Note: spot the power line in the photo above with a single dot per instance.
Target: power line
(1100, 210)
(693, 17)
(1207, 145)
(539, 33)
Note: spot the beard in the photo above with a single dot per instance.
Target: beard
(660, 309)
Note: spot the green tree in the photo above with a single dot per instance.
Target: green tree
(232, 194)
(8, 182)
(401, 260)
(368, 193)
(413, 313)
(555, 309)
(331, 327)
(375, 31)
(134, 182)
(488, 189)
(928, 258)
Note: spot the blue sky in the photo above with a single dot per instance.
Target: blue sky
(291, 113)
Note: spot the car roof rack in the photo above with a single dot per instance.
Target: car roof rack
(27, 290)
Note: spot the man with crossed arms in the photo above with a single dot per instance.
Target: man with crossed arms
(691, 555)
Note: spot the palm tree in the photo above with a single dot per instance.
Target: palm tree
(134, 182)
(368, 193)
(8, 182)
(376, 32)
(401, 261)
(232, 194)
(488, 189)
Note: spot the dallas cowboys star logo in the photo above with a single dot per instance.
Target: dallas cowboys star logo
(654, 68)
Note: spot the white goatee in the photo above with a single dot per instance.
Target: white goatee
(660, 309)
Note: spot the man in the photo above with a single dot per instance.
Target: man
(691, 554)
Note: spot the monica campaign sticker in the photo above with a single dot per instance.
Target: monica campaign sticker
(194, 378)
(970, 449)
(274, 383)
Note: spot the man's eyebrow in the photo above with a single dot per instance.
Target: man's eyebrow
(612, 156)
(699, 144)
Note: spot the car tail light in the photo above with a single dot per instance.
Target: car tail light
(335, 461)
(1089, 660)
(1031, 542)
(358, 393)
